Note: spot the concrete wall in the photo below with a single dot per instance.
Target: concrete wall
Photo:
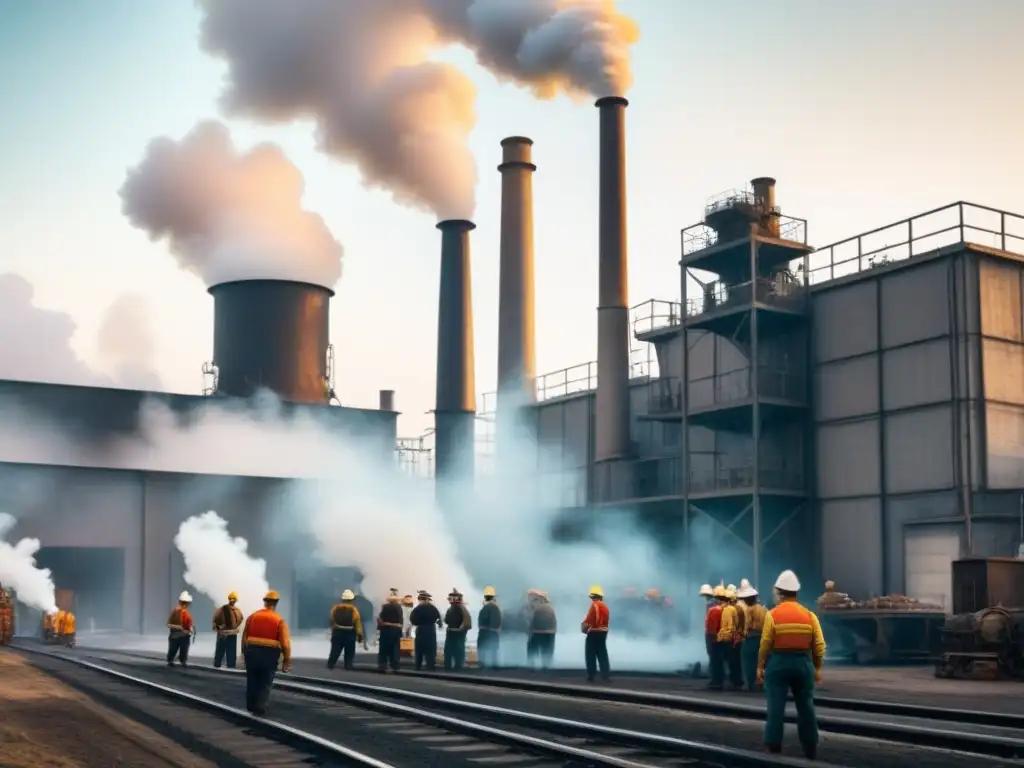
(898, 436)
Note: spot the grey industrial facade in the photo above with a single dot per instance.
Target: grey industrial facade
(882, 436)
(107, 533)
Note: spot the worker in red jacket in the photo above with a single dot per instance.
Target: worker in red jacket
(181, 629)
(712, 626)
(595, 627)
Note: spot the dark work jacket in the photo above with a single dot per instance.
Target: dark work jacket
(391, 613)
(543, 619)
(457, 619)
(489, 618)
(425, 617)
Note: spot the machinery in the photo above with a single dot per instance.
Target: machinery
(6, 616)
(984, 638)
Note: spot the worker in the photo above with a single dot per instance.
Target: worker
(265, 642)
(6, 616)
(427, 620)
(181, 629)
(789, 661)
(488, 630)
(541, 629)
(712, 626)
(755, 613)
(458, 623)
(346, 631)
(65, 629)
(408, 603)
(595, 627)
(730, 638)
(389, 633)
(227, 623)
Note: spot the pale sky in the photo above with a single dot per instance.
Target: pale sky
(866, 114)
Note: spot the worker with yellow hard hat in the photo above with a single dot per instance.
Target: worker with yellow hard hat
(227, 623)
(265, 641)
(789, 661)
(595, 626)
(346, 631)
(488, 630)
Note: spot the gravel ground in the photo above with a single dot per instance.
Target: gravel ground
(742, 734)
(90, 735)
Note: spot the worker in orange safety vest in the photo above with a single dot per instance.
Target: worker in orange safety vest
(789, 661)
(595, 627)
(265, 642)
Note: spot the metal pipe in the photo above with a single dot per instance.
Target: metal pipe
(612, 439)
(764, 195)
(455, 409)
(516, 335)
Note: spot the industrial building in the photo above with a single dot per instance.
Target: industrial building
(107, 518)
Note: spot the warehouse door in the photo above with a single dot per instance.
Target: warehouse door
(928, 555)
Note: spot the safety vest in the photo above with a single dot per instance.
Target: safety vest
(597, 617)
(794, 629)
(263, 628)
(344, 616)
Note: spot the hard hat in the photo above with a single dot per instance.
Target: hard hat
(706, 590)
(787, 582)
(718, 591)
(596, 591)
(185, 597)
(730, 593)
(830, 585)
(489, 592)
(746, 589)
(348, 594)
(653, 593)
(271, 597)
(232, 595)
(731, 588)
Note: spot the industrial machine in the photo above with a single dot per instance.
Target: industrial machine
(984, 638)
(6, 616)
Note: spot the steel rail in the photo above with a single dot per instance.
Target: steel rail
(332, 690)
(279, 732)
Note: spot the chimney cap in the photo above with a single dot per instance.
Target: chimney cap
(212, 289)
(765, 180)
(611, 101)
(516, 140)
(464, 225)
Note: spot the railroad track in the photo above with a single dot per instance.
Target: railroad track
(479, 732)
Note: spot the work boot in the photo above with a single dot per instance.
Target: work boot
(810, 751)
(775, 749)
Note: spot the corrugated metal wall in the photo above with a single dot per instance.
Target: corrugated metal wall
(895, 355)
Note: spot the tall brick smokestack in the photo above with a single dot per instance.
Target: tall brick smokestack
(455, 409)
(612, 440)
(516, 336)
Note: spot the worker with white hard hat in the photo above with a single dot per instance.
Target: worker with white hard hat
(712, 624)
(755, 613)
(227, 624)
(793, 648)
(346, 631)
(181, 629)
(595, 627)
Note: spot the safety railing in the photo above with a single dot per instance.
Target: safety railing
(724, 479)
(665, 395)
(958, 223)
(646, 478)
(699, 237)
(655, 314)
(785, 290)
(736, 385)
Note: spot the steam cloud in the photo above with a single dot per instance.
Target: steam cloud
(35, 343)
(229, 215)
(217, 563)
(33, 586)
(361, 69)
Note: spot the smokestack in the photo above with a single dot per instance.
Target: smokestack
(516, 342)
(455, 410)
(273, 334)
(612, 424)
(387, 400)
(764, 194)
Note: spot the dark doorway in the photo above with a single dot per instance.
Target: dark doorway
(317, 589)
(91, 581)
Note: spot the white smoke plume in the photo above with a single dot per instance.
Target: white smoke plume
(33, 586)
(35, 343)
(217, 563)
(362, 70)
(229, 215)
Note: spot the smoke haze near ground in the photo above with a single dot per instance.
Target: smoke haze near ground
(362, 70)
(229, 215)
(217, 563)
(33, 586)
(35, 343)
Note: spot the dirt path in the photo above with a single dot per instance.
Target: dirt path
(45, 723)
